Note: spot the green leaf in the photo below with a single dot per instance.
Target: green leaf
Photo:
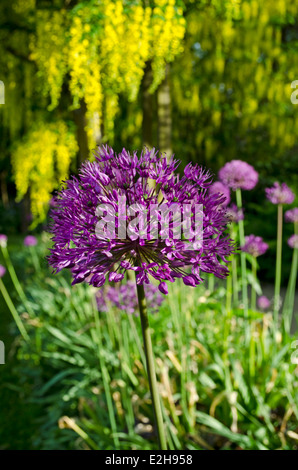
(219, 428)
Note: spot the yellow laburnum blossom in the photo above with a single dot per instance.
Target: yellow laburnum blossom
(85, 73)
(237, 54)
(49, 50)
(104, 48)
(167, 31)
(40, 162)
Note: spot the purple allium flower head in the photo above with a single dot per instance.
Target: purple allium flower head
(124, 297)
(238, 174)
(142, 180)
(3, 240)
(255, 245)
(30, 240)
(292, 215)
(2, 270)
(293, 241)
(263, 302)
(234, 214)
(222, 190)
(280, 194)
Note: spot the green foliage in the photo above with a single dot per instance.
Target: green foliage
(83, 372)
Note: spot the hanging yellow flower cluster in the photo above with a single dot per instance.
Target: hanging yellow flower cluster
(124, 46)
(39, 161)
(167, 31)
(85, 70)
(104, 47)
(100, 50)
(50, 52)
(236, 72)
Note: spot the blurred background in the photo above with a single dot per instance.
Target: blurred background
(208, 80)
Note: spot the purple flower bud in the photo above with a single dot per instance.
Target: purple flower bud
(30, 240)
(190, 280)
(116, 277)
(2, 270)
(125, 265)
(97, 280)
(163, 288)
(80, 277)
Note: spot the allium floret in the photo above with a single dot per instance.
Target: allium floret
(255, 245)
(280, 194)
(142, 181)
(234, 214)
(237, 174)
(124, 297)
(291, 215)
(293, 241)
(263, 302)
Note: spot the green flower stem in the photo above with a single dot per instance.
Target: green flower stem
(151, 367)
(229, 295)
(227, 320)
(126, 366)
(35, 259)
(234, 270)
(97, 337)
(253, 290)
(211, 283)
(137, 338)
(15, 280)
(278, 265)
(235, 280)
(252, 353)
(290, 295)
(288, 310)
(242, 256)
(13, 311)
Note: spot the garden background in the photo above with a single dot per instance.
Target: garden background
(209, 81)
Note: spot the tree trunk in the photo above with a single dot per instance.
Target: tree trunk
(81, 122)
(25, 213)
(4, 192)
(97, 128)
(164, 116)
(147, 107)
